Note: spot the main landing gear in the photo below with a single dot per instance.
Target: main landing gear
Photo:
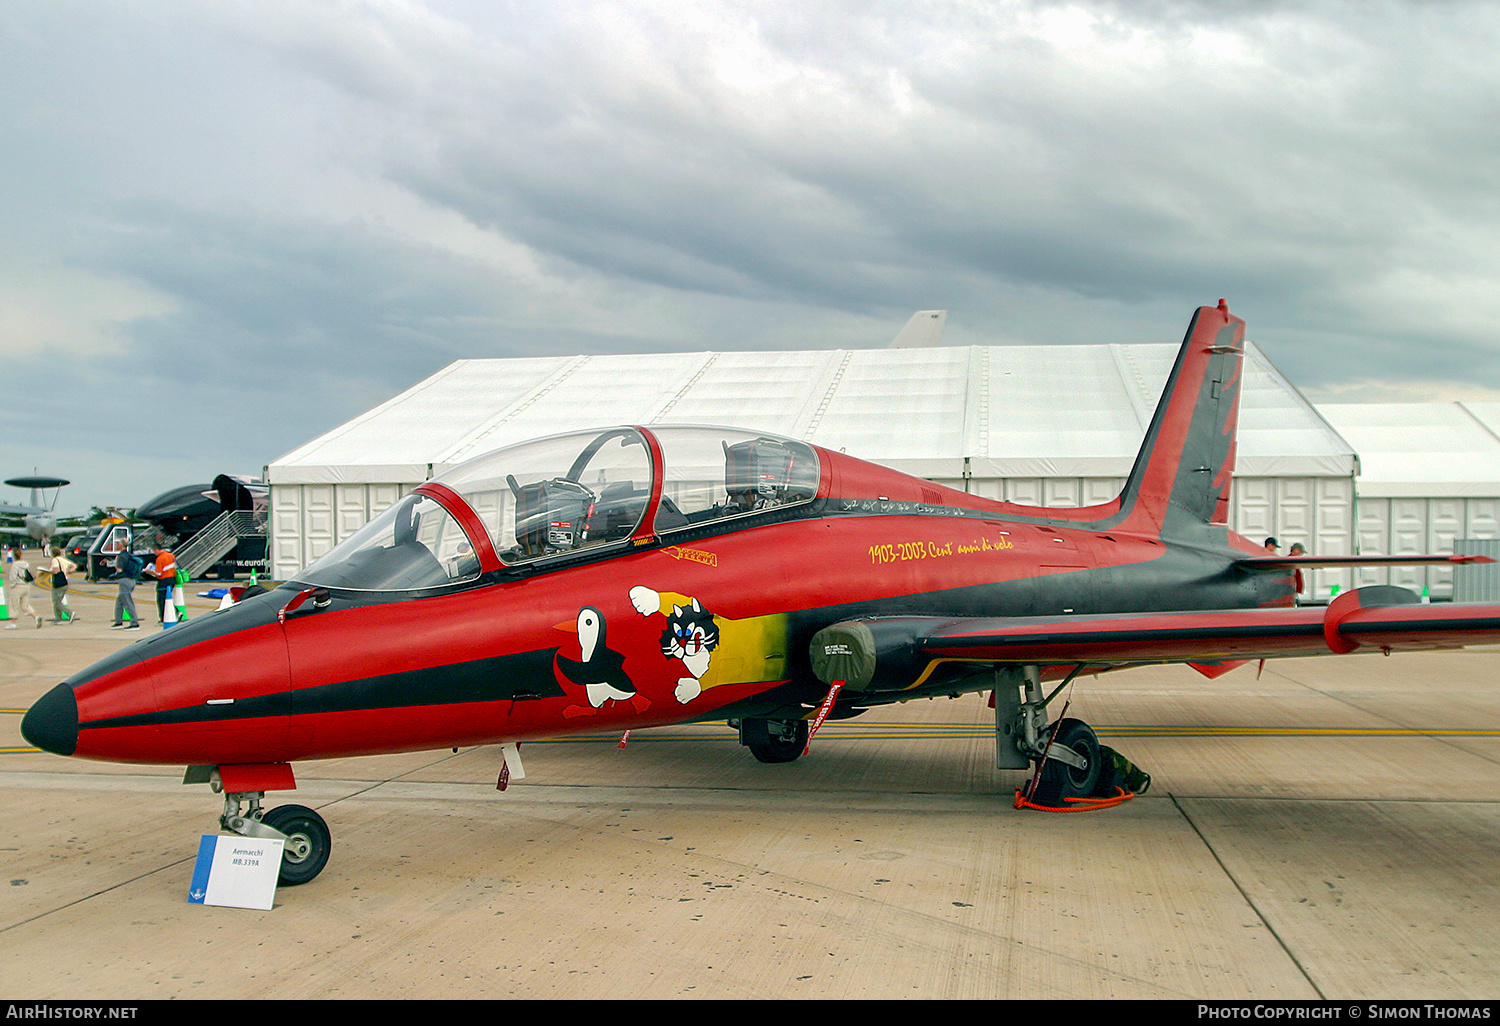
(307, 838)
(774, 740)
(1073, 764)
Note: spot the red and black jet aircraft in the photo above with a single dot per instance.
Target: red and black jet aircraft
(635, 577)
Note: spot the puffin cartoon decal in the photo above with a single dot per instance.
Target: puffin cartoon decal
(601, 672)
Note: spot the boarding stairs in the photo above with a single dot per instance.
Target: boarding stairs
(218, 539)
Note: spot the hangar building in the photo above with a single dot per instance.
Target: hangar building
(1038, 424)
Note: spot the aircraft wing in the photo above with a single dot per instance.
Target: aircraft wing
(57, 537)
(890, 653)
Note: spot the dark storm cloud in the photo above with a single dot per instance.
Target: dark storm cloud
(1273, 170)
(263, 298)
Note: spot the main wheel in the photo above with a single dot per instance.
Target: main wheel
(1058, 779)
(307, 842)
(768, 743)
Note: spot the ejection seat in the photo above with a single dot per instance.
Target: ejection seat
(758, 474)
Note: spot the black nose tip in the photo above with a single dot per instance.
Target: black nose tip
(52, 723)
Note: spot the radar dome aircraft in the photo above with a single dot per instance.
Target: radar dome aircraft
(634, 577)
(39, 523)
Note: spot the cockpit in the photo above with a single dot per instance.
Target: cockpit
(559, 499)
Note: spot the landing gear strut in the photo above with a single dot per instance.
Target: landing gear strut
(306, 836)
(1071, 762)
(1068, 753)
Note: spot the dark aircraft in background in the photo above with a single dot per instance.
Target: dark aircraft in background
(183, 512)
(175, 517)
(635, 577)
(38, 523)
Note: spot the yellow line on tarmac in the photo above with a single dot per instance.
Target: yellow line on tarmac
(961, 731)
(1210, 731)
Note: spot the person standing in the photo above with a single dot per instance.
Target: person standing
(127, 572)
(1298, 549)
(59, 568)
(164, 569)
(18, 584)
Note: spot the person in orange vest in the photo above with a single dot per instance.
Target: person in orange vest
(164, 569)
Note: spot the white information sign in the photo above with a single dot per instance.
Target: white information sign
(239, 872)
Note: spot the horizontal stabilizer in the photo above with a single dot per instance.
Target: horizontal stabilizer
(1311, 562)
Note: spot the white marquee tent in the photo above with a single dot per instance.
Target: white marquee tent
(1429, 474)
(1051, 425)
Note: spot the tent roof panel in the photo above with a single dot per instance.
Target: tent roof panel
(1019, 411)
(1408, 449)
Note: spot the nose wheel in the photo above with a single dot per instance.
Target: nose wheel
(308, 842)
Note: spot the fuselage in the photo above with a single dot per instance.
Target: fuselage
(478, 661)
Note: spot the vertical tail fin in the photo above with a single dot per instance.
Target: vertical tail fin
(1180, 482)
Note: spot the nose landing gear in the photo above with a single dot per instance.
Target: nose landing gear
(306, 836)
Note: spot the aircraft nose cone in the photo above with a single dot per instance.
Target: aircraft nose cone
(52, 723)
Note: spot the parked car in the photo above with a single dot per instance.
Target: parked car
(76, 550)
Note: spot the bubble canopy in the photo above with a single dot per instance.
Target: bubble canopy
(558, 499)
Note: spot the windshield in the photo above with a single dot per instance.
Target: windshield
(415, 544)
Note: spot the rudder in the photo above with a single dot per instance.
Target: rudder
(1180, 482)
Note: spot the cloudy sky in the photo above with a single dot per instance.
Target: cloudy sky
(226, 227)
